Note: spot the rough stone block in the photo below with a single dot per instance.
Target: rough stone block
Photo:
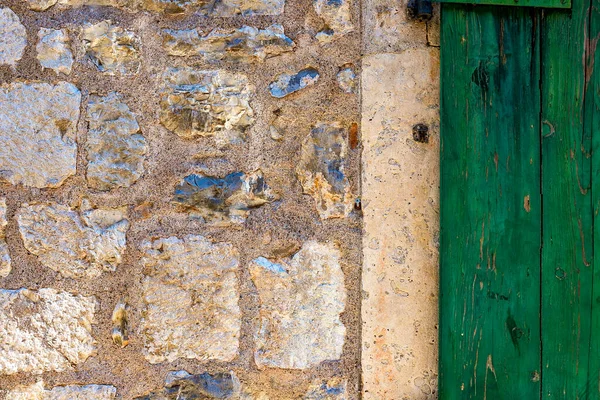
(180, 385)
(246, 44)
(44, 330)
(37, 130)
(190, 295)
(336, 15)
(230, 8)
(321, 170)
(5, 262)
(200, 103)
(115, 145)
(346, 79)
(112, 49)
(13, 37)
(333, 389)
(301, 300)
(53, 50)
(71, 392)
(221, 201)
(120, 331)
(76, 243)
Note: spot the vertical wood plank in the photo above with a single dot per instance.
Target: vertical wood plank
(567, 255)
(592, 121)
(491, 207)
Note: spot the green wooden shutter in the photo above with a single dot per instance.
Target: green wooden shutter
(520, 127)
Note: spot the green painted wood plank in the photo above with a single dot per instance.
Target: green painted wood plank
(491, 208)
(567, 255)
(592, 125)
(517, 3)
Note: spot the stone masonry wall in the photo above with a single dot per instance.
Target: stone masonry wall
(179, 199)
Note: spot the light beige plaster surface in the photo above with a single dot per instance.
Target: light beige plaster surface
(400, 185)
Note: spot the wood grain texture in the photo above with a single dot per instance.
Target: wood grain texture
(593, 124)
(567, 254)
(491, 205)
(516, 3)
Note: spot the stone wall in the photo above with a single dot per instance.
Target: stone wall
(179, 199)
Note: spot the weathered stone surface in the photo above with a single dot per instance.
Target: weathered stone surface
(199, 103)
(190, 295)
(221, 201)
(37, 130)
(171, 7)
(228, 8)
(115, 145)
(246, 44)
(388, 28)
(224, 8)
(347, 80)
(289, 83)
(333, 389)
(301, 300)
(53, 50)
(120, 332)
(321, 170)
(5, 262)
(71, 392)
(40, 5)
(44, 330)
(400, 211)
(13, 37)
(76, 243)
(336, 15)
(112, 49)
(180, 385)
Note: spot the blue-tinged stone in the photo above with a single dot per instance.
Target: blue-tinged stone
(180, 385)
(271, 266)
(223, 200)
(289, 83)
(334, 389)
(321, 170)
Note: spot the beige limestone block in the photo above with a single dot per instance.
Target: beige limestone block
(400, 193)
(190, 295)
(301, 300)
(433, 27)
(116, 148)
(77, 243)
(44, 330)
(387, 27)
(13, 37)
(53, 50)
(71, 392)
(37, 131)
(5, 262)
